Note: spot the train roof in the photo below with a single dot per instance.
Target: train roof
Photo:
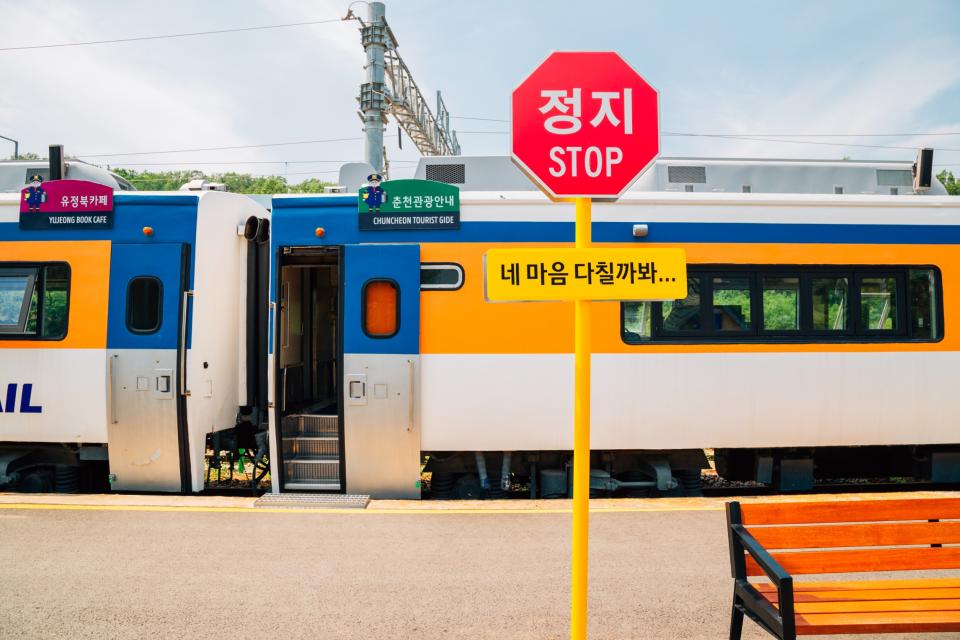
(703, 175)
(14, 174)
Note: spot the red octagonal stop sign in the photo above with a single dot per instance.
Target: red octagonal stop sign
(585, 124)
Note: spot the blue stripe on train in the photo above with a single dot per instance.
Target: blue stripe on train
(174, 222)
(173, 218)
(295, 220)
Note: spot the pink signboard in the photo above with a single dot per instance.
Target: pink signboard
(66, 204)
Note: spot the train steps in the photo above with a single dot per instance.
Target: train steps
(311, 452)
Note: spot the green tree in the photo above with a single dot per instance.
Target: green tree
(951, 183)
(246, 183)
(27, 156)
(157, 180)
(311, 185)
(236, 182)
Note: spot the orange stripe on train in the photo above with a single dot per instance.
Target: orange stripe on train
(463, 322)
(89, 289)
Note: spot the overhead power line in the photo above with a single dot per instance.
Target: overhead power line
(237, 162)
(790, 141)
(729, 136)
(768, 135)
(228, 148)
(732, 136)
(829, 135)
(172, 35)
(259, 175)
(481, 119)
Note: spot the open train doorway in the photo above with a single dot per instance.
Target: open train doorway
(309, 369)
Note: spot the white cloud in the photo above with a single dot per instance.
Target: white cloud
(93, 100)
(231, 90)
(301, 83)
(878, 95)
(342, 43)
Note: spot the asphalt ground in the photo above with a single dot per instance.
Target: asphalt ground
(153, 567)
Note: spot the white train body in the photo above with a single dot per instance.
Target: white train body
(815, 322)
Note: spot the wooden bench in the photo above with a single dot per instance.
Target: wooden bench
(774, 542)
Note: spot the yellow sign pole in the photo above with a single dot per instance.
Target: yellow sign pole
(581, 442)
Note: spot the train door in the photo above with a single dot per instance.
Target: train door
(308, 369)
(381, 363)
(146, 347)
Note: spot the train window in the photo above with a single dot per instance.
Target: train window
(381, 308)
(636, 320)
(731, 304)
(781, 304)
(830, 306)
(879, 304)
(16, 291)
(56, 289)
(793, 303)
(144, 304)
(679, 316)
(436, 275)
(34, 301)
(923, 304)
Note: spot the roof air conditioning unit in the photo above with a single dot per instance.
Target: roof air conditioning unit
(199, 184)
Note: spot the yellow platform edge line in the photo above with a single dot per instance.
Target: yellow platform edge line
(195, 509)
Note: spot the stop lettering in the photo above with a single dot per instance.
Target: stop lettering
(585, 124)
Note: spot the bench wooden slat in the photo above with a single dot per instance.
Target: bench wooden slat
(875, 595)
(850, 511)
(858, 585)
(856, 535)
(862, 560)
(890, 622)
(877, 606)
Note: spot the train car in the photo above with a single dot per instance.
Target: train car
(123, 347)
(815, 341)
(16, 173)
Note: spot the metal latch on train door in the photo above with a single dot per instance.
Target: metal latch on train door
(356, 388)
(162, 384)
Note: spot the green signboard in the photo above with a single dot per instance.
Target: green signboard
(409, 204)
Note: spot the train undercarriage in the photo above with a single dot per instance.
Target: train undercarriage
(63, 468)
(54, 468)
(547, 474)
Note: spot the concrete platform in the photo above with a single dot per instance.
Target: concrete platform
(219, 503)
(183, 566)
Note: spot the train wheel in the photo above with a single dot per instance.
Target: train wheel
(442, 485)
(689, 480)
(39, 481)
(468, 487)
(67, 479)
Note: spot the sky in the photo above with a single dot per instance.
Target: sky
(754, 68)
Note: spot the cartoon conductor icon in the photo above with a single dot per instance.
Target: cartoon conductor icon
(372, 194)
(34, 194)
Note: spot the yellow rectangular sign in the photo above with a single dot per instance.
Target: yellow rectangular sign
(516, 275)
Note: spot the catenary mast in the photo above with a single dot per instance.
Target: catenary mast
(390, 89)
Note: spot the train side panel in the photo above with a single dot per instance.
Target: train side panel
(62, 374)
(216, 358)
(143, 366)
(498, 377)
